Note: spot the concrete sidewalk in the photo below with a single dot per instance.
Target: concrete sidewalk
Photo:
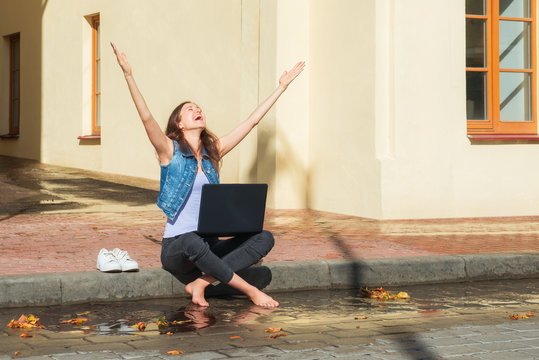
(54, 221)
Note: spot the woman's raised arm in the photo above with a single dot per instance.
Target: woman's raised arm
(230, 140)
(162, 144)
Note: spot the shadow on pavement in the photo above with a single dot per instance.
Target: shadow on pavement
(30, 187)
(408, 340)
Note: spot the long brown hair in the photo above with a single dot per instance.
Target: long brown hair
(209, 140)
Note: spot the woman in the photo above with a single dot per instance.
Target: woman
(185, 149)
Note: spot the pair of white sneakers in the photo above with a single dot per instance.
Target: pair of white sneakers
(116, 260)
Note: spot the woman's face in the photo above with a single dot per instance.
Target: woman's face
(191, 117)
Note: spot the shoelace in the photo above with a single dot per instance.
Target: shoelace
(110, 257)
(122, 255)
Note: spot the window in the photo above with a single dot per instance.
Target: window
(14, 83)
(501, 72)
(96, 71)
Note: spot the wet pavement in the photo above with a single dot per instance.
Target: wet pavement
(56, 219)
(453, 321)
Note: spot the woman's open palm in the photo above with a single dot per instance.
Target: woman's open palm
(288, 76)
(122, 60)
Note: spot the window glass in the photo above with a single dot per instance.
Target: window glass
(97, 115)
(97, 76)
(475, 7)
(97, 40)
(515, 8)
(15, 85)
(475, 43)
(15, 113)
(515, 45)
(476, 102)
(515, 95)
(16, 53)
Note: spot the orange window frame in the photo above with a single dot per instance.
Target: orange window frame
(493, 124)
(96, 93)
(14, 69)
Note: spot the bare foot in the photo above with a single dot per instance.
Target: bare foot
(196, 290)
(264, 300)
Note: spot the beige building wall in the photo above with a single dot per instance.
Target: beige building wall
(344, 174)
(22, 17)
(429, 168)
(179, 50)
(374, 127)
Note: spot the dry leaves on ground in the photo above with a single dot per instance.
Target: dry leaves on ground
(280, 332)
(274, 336)
(517, 316)
(26, 322)
(273, 330)
(25, 335)
(174, 352)
(141, 326)
(75, 321)
(382, 294)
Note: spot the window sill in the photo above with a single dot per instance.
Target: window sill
(503, 137)
(89, 137)
(9, 136)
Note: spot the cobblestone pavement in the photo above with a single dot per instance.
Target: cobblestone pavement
(450, 321)
(56, 219)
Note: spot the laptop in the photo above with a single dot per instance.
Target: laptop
(232, 209)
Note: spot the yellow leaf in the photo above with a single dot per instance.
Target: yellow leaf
(75, 321)
(273, 330)
(141, 326)
(403, 295)
(174, 352)
(276, 335)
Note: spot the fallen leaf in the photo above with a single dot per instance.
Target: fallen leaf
(162, 322)
(84, 313)
(26, 322)
(516, 317)
(382, 294)
(361, 317)
(17, 353)
(75, 321)
(274, 336)
(174, 352)
(403, 295)
(357, 327)
(273, 330)
(25, 335)
(530, 314)
(141, 326)
(169, 333)
(235, 337)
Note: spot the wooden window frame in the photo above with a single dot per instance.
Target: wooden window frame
(96, 130)
(493, 124)
(14, 129)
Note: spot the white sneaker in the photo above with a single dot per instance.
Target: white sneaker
(107, 262)
(125, 261)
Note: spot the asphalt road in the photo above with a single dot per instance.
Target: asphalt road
(453, 321)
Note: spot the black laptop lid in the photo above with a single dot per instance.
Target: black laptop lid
(232, 209)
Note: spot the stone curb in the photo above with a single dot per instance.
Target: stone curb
(79, 287)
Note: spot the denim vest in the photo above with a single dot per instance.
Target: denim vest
(178, 177)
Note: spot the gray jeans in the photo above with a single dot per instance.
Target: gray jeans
(187, 255)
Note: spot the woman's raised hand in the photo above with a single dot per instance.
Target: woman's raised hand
(288, 76)
(122, 61)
